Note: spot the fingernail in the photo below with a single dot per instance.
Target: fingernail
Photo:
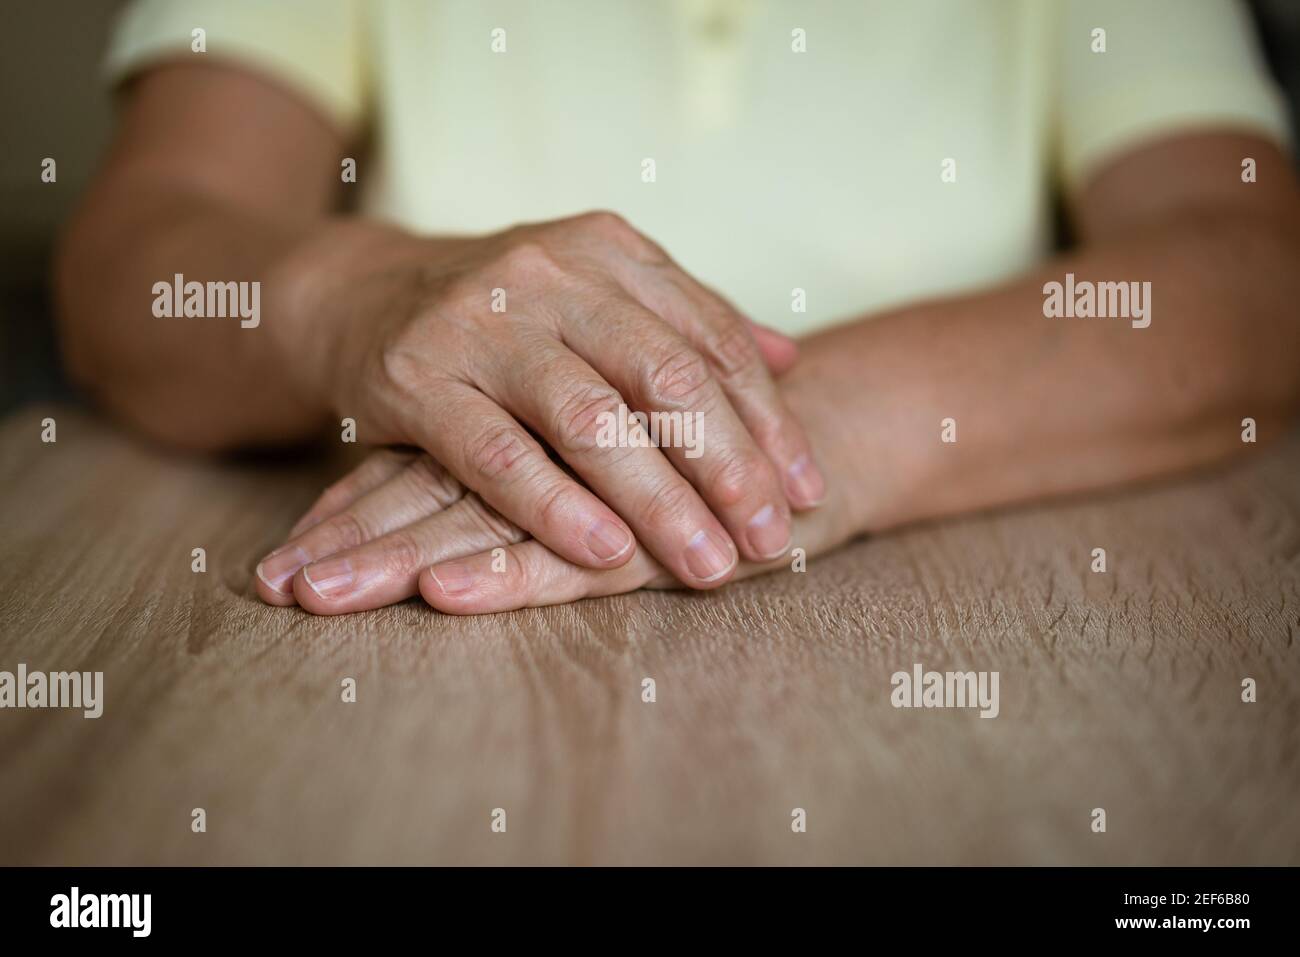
(452, 577)
(608, 540)
(709, 555)
(280, 566)
(331, 578)
(804, 483)
(769, 535)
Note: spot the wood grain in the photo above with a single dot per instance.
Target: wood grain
(1118, 690)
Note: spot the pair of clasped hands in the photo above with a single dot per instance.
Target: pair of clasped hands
(493, 491)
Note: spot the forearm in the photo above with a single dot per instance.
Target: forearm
(1050, 406)
(206, 382)
(194, 381)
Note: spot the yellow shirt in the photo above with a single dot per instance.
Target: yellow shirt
(862, 152)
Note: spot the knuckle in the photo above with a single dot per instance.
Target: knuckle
(404, 365)
(680, 378)
(334, 493)
(518, 572)
(555, 506)
(529, 259)
(581, 415)
(430, 481)
(613, 228)
(496, 452)
(402, 553)
(345, 530)
(733, 351)
(734, 478)
(494, 526)
(669, 504)
(380, 462)
(605, 220)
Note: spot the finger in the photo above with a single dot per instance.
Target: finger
(779, 351)
(526, 575)
(493, 455)
(664, 377)
(418, 490)
(387, 569)
(378, 467)
(717, 330)
(720, 334)
(577, 413)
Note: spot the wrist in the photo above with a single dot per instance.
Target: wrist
(325, 297)
(828, 419)
(861, 393)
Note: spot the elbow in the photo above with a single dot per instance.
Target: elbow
(74, 332)
(1261, 406)
(101, 364)
(1252, 353)
(85, 272)
(1270, 326)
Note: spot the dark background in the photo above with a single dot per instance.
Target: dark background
(55, 104)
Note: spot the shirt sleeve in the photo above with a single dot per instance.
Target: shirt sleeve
(314, 47)
(1169, 66)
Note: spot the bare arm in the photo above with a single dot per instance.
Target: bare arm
(222, 177)
(217, 175)
(1042, 406)
(1050, 406)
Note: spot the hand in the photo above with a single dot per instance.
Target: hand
(376, 533)
(597, 320)
(399, 525)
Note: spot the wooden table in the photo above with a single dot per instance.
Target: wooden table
(1119, 690)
